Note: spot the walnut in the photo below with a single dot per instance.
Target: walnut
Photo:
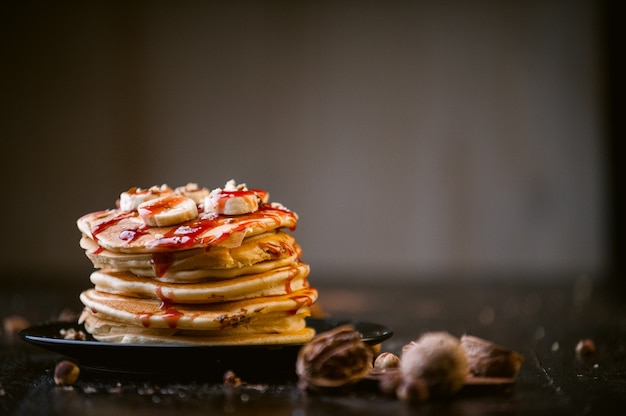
(434, 365)
(333, 359)
(486, 359)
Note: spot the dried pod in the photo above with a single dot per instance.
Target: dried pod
(66, 373)
(486, 359)
(434, 365)
(387, 360)
(333, 359)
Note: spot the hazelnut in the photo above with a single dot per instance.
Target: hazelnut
(434, 365)
(333, 359)
(486, 359)
(387, 360)
(585, 348)
(14, 324)
(66, 373)
(230, 379)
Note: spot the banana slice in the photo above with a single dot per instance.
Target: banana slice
(168, 210)
(234, 199)
(131, 199)
(191, 190)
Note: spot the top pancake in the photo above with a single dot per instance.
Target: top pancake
(123, 231)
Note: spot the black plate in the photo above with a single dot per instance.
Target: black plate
(249, 362)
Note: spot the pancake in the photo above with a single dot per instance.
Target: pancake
(279, 281)
(284, 329)
(113, 331)
(189, 266)
(126, 231)
(256, 254)
(152, 313)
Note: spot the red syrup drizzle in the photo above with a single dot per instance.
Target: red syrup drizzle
(192, 232)
(145, 319)
(301, 300)
(161, 262)
(97, 229)
(172, 316)
(131, 235)
(159, 205)
(164, 299)
(288, 288)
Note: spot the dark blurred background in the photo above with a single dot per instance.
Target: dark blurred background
(413, 138)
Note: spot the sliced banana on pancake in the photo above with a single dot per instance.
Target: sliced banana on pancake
(127, 232)
(167, 210)
(280, 281)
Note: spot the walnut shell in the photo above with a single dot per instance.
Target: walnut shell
(333, 359)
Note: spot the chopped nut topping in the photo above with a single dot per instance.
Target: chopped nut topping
(71, 333)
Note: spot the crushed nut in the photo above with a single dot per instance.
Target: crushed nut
(71, 333)
(66, 373)
(334, 358)
(486, 359)
(434, 365)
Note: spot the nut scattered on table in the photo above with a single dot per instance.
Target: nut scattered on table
(486, 359)
(13, 324)
(230, 379)
(433, 365)
(585, 348)
(66, 373)
(387, 360)
(333, 359)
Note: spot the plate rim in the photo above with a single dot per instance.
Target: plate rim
(30, 335)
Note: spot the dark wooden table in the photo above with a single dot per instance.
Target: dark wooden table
(543, 319)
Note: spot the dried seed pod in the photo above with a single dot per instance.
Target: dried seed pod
(486, 359)
(434, 365)
(333, 359)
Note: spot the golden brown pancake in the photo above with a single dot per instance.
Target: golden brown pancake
(126, 232)
(278, 281)
(193, 267)
(286, 329)
(256, 254)
(152, 313)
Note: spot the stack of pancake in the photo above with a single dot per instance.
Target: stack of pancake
(189, 266)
